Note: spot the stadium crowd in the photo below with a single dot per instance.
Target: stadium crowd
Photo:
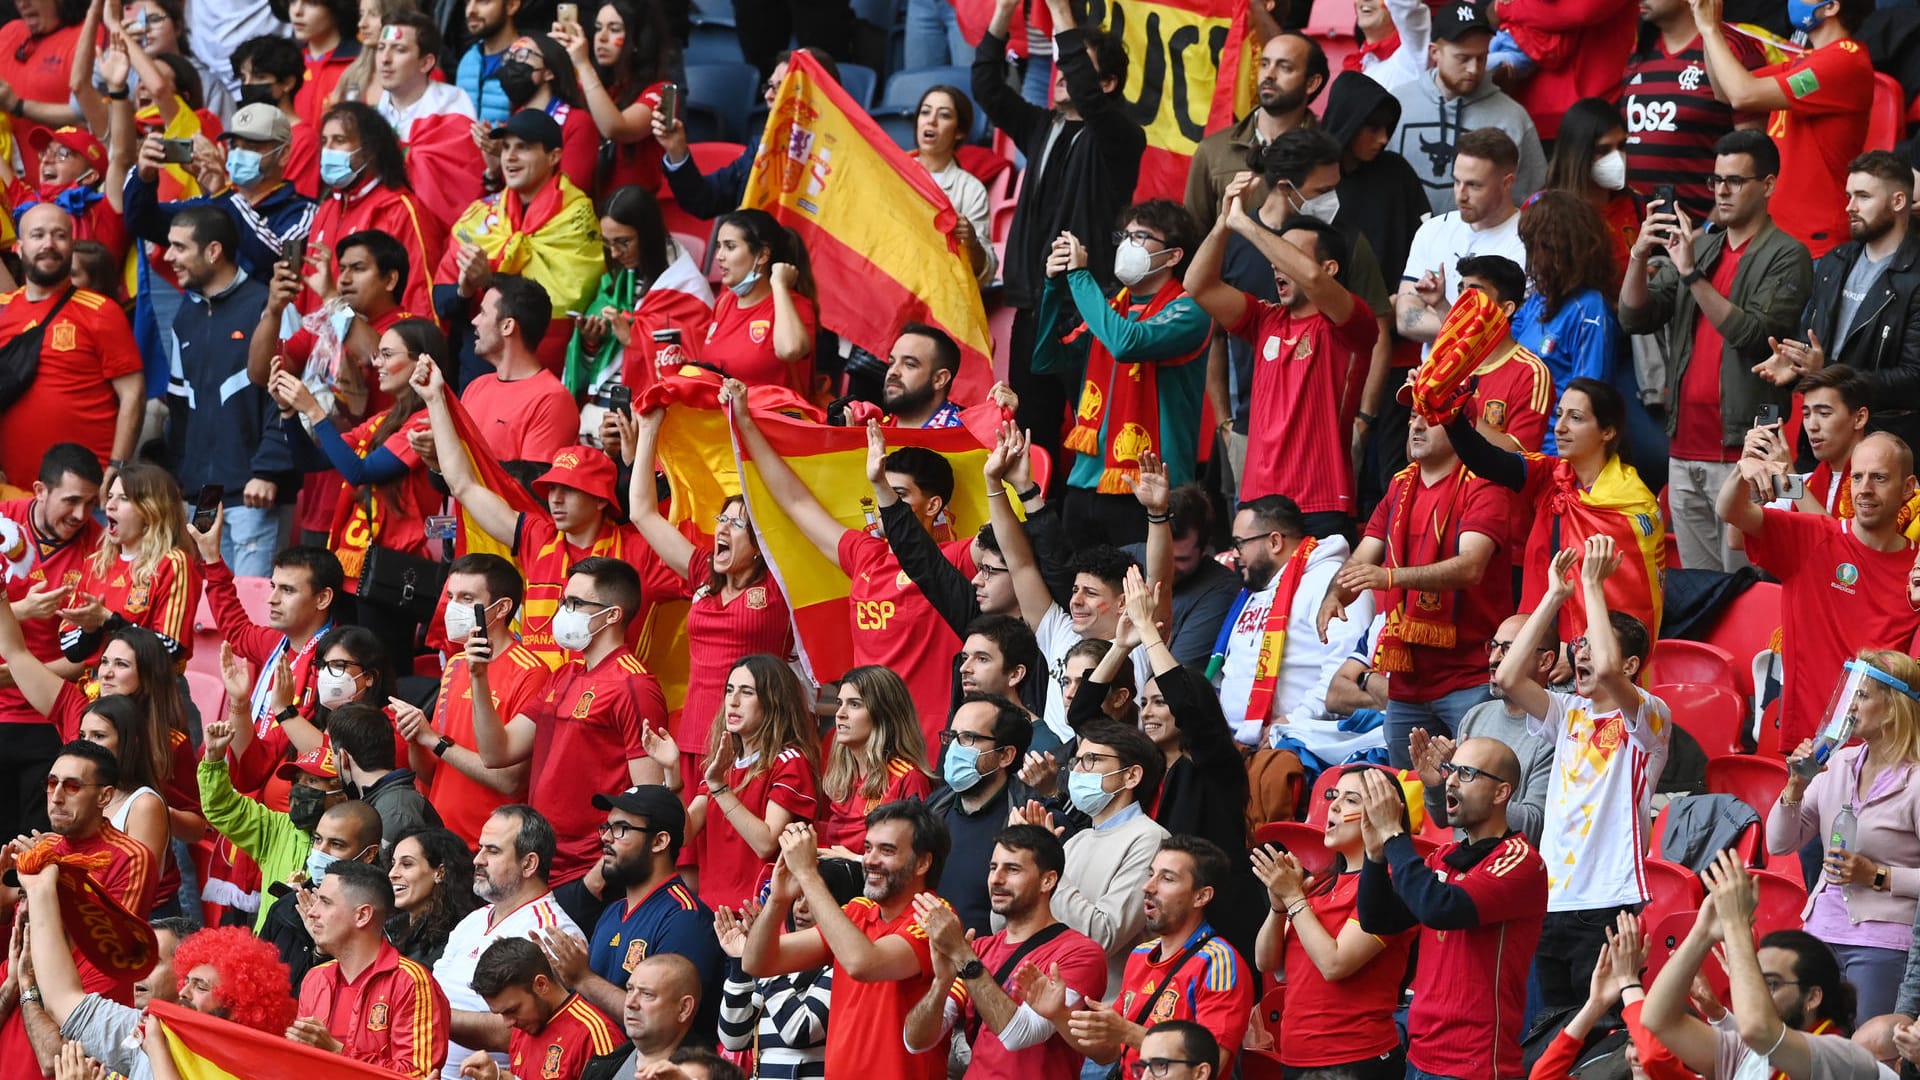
(1435, 600)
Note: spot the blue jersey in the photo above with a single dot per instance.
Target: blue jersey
(671, 919)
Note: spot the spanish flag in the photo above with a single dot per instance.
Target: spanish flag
(469, 537)
(209, 1048)
(867, 212)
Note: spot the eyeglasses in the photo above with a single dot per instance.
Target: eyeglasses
(1138, 236)
(972, 740)
(1775, 982)
(1237, 541)
(1159, 1066)
(989, 569)
(68, 784)
(1468, 774)
(618, 831)
(736, 522)
(1731, 183)
(581, 603)
(341, 667)
(1090, 762)
(524, 56)
(1496, 647)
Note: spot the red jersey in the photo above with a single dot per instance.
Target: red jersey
(1310, 371)
(393, 1016)
(56, 563)
(71, 399)
(1844, 596)
(323, 75)
(864, 1039)
(1470, 986)
(1439, 514)
(38, 70)
(397, 213)
(1824, 126)
(130, 877)
(260, 646)
(587, 727)
(163, 600)
(99, 222)
(303, 162)
(1212, 988)
(756, 621)
(730, 871)
(545, 557)
(1673, 119)
(1699, 431)
(1316, 1031)
(580, 145)
(634, 162)
(1513, 395)
(739, 342)
(575, 1035)
(1083, 967)
(894, 625)
(515, 677)
(846, 820)
(390, 515)
(528, 419)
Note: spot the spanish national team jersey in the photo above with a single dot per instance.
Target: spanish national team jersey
(864, 1038)
(846, 821)
(162, 601)
(545, 557)
(587, 728)
(393, 1015)
(730, 870)
(1212, 989)
(739, 342)
(470, 937)
(51, 564)
(670, 920)
(895, 626)
(516, 677)
(1513, 394)
(1604, 768)
(1823, 128)
(575, 1035)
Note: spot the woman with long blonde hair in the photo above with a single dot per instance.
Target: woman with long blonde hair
(1863, 903)
(878, 756)
(763, 761)
(141, 571)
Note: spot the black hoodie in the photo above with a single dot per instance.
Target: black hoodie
(1387, 186)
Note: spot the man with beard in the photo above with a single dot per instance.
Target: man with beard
(1864, 304)
(90, 388)
(1458, 97)
(1501, 720)
(1844, 580)
(1293, 71)
(1036, 957)
(659, 912)
(1719, 297)
(490, 26)
(882, 961)
(1482, 221)
(555, 1033)
(510, 870)
(980, 757)
(920, 374)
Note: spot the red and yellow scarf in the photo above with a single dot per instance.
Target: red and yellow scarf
(1429, 620)
(1126, 394)
(1273, 636)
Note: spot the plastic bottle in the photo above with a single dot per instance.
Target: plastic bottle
(1831, 738)
(1845, 828)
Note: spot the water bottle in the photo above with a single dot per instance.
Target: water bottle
(1831, 738)
(1845, 828)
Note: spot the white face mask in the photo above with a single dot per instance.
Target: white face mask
(1324, 206)
(335, 690)
(459, 622)
(571, 630)
(1132, 262)
(1610, 171)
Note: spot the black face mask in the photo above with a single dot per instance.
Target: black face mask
(516, 80)
(256, 94)
(305, 805)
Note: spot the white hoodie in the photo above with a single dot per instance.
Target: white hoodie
(1306, 666)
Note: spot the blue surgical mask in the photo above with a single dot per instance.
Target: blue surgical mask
(746, 284)
(1805, 16)
(336, 167)
(243, 166)
(317, 863)
(962, 768)
(1088, 792)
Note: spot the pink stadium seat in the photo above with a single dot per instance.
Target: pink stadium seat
(208, 692)
(1678, 661)
(254, 592)
(1752, 779)
(1710, 713)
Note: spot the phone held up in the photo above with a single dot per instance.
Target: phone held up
(207, 506)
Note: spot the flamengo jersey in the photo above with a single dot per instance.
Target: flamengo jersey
(1673, 119)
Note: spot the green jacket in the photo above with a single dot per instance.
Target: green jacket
(269, 837)
(1769, 292)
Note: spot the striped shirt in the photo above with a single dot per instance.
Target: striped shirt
(454, 970)
(782, 1019)
(1673, 119)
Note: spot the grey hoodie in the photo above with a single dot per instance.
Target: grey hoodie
(1430, 126)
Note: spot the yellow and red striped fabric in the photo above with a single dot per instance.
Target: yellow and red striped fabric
(209, 1048)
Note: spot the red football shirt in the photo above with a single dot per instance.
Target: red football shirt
(574, 1036)
(38, 69)
(394, 1015)
(130, 876)
(846, 823)
(1844, 597)
(1083, 967)
(1329, 1023)
(1213, 988)
(163, 601)
(516, 677)
(1824, 126)
(545, 557)
(864, 1038)
(739, 342)
(1699, 433)
(71, 399)
(730, 871)
(1513, 394)
(1440, 514)
(1309, 372)
(723, 631)
(55, 562)
(527, 419)
(587, 727)
(895, 626)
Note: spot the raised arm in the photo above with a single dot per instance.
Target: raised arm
(1203, 282)
(1029, 586)
(1512, 676)
(1338, 953)
(1735, 503)
(489, 509)
(1308, 274)
(890, 959)
(788, 490)
(768, 951)
(639, 443)
(35, 681)
(1732, 82)
(1734, 899)
(501, 743)
(1603, 645)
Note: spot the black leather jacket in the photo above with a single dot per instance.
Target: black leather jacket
(1883, 343)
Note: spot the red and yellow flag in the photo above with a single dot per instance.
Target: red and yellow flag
(209, 1048)
(1192, 68)
(469, 537)
(869, 213)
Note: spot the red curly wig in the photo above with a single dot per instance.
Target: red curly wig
(253, 981)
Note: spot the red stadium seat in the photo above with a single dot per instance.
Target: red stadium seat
(208, 692)
(1679, 661)
(1712, 714)
(1317, 801)
(1665, 936)
(695, 247)
(254, 593)
(1304, 842)
(1671, 888)
(1886, 124)
(1752, 779)
(1745, 627)
(1781, 898)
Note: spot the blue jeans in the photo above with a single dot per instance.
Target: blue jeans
(252, 537)
(1441, 716)
(933, 36)
(1422, 1074)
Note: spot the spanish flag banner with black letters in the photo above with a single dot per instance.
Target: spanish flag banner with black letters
(209, 1048)
(1190, 71)
(871, 215)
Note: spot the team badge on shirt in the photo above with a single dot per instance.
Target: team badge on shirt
(581, 707)
(550, 1068)
(636, 952)
(138, 598)
(757, 330)
(1164, 1006)
(377, 1017)
(757, 597)
(1846, 574)
(61, 337)
(1495, 414)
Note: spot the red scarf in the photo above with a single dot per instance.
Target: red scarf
(1430, 619)
(1127, 394)
(1273, 636)
(112, 938)
(1379, 50)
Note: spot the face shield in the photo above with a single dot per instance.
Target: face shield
(1843, 711)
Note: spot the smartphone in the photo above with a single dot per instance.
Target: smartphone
(620, 398)
(480, 620)
(1769, 416)
(207, 505)
(1790, 486)
(670, 102)
(1664, 195)
(293, 250)
(176, 151)
(567, 13)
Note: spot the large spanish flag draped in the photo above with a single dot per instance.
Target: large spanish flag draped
(469, 537)
(209, 1048)
(1191, 70)
(868, 214)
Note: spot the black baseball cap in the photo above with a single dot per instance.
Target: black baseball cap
(531, 125)
(661, 808)
(1456, 19)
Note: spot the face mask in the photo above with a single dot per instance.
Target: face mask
(336, 167)
(256, 93)
(1324, 206)
(962, 768)
(1088, 796)
(571, 630)
(459, 623)
(516, 81)
(243, 166)
(746, 284)
(335, 690)
(1805, 16)
(304, 807)
(1132, 262)
(1610, 172)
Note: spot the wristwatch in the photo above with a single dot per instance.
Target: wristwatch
(31, 993)
(440, 748)
(971, 970)
(291, 712)
(1692, 276)
(1880, 874)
